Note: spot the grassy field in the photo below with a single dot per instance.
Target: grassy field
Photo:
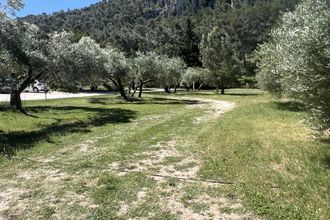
(188, 156)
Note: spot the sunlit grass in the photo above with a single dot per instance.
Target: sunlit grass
(263, 146)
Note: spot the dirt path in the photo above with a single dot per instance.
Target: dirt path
(175, 172)
(212, 109)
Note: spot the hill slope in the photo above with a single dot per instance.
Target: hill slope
(173, 27)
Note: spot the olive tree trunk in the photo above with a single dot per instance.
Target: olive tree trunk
(15, 96)
(176, 87)
(141, 88)
(167, 89)
(142, 83)
(222, 87)
(120, 88)
(15, 99)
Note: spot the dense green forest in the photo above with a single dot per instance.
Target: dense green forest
(172, 27)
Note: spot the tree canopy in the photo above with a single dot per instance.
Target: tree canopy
(138, 42)
(10, 7)
(218, 57)
(296, 61)
(172, 29)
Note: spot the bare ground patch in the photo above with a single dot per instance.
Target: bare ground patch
(173, 172)
(213, 109)
(7, 195)
(39, 189)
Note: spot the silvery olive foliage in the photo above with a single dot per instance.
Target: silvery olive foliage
(23, 56)
(73, 63)
(147, 66)
(61, 64)
(22, 50)
(116, 68)
(172, 69)
(10, 7)
(197, 75)
(116, 65)
(89, 59)
(296, 61)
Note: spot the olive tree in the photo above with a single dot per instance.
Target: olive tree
(73, 63)
(61, 63)
(269, 76)
(147, 68)
(23, 56)
(171, 72)
(26, 55)
(196, 75)
(116, 69)
(296, 61)
(10, 7)
(89, 60)
(85, 62)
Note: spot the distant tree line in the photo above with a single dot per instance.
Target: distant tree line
(131, 44)
(153, 26)
(135, 43)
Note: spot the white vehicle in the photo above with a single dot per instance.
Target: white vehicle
(36, 87)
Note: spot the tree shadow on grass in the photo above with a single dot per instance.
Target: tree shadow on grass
(153, 100)
(183, 93)
(241, 94)
(10, 142)
(290, 106)
(168, 101)
(100, 101)
(212, 93)
(326, 161)
(325, 152)
(3, 108)
(325, 140)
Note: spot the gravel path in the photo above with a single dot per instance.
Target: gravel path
(50, 95)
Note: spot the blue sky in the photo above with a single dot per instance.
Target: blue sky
(49, 6)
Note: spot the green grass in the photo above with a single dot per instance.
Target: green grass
(261, 144)
(279, 170)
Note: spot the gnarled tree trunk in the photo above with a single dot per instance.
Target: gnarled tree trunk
(176, 87)
(142, 83)
(123, 93)
(141, 89)
(120, 88)
(131, 87)
(222, 87)
(167, 89)
(133, 93)
(15, 97)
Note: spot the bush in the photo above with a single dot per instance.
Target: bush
(296, 60)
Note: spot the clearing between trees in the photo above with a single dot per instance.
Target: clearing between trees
(183, 156)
